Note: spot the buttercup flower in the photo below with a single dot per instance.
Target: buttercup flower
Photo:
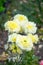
(12, 37)
(30, 27)
(24, 43)
(12, 26)
(34, 38)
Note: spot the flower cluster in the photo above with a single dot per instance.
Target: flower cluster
(21, 35)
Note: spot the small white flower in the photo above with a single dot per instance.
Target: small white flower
(9, 59)
(24, 43)
(30, 27)
(12, 26)
(14, 58)
(12, 37)
(6, 46)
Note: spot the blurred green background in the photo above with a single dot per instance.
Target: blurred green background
(33, 9)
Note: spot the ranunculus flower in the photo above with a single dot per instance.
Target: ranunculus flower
(12, 37)
(24, 43)
(21, 19)
(34, 38)
(30, 27)
(12, 26)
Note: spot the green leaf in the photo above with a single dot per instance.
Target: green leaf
(2, 9)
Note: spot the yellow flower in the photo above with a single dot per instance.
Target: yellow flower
(12, 26)
(21, 20)
(24, 43)
(19, 51)
(12, 46)
(30, 27)
(12, 37)
(15, 49)
(20, 17)
(34, 38)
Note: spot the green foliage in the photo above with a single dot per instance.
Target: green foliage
(26, 59)
(2, 9)
(1, 5)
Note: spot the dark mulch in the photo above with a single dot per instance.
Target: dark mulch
(39, 50)
(3, 39)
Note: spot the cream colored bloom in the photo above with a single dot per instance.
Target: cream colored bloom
(30, 27)
(24, 43)
(34, 38)
(21, 19)
(12, 37)
(12, 26)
